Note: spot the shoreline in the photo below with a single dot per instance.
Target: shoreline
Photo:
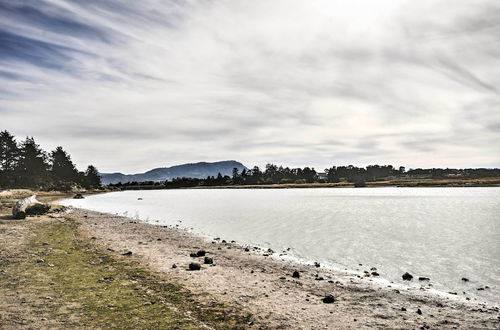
(233, 262)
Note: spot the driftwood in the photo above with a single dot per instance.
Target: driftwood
(29, 206)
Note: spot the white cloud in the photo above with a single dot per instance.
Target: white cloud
(131, 86)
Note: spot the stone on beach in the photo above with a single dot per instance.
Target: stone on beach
(296, 274)
(407, 276)
(201, 253)
(194, 266)
(329, 299)
(208, 261)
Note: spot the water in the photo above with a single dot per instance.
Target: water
(441, 233)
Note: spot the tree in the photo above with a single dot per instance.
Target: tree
(9, 158)
(92, 177)
(32, 169)
(63, 169)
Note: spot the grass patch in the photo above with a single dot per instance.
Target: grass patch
(85, 287)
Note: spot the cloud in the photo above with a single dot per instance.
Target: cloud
(133, 85)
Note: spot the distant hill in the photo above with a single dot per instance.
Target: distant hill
(194, 170)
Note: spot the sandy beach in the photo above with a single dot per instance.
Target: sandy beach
(246, 280)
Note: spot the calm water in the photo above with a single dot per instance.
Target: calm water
(441, 233)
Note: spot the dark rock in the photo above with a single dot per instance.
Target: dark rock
(128, 253)
(193, 255)
(465, 279)
(201, 253)
(296, 274)
(317, 264)
(247, 249)
(174, 266)
(329, 299)
(373, 269)
(439, 304)
(407, 276)
(224, 241)
(375, 274)
(480, 289)
(403, 309)
(209, 261)
(194, 266)
(419, 312)
(422, 278)
(78, 196)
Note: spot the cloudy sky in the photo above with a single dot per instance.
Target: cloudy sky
(132, 85)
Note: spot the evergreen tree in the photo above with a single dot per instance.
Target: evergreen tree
(63, 169)
(32, 169)
(92, 177)
(9, 158)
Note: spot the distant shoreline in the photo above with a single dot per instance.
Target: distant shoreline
(411, 183)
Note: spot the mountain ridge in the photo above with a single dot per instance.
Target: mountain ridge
(197, 170)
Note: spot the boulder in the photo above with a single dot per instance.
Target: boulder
(407, 276)
(29, 206)
(208, 260)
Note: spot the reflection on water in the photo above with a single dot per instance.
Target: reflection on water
(441, 233)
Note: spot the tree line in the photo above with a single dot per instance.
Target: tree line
(25, 165)
(273, 174)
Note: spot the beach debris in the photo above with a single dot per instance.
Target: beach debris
(296, 274)
(465, 279)
(194, 266)
(208, 260)
(419, 312)
(78, 196)
(422, 278)
(201, 253)
(39, 261)
(407, 276)
(128, 253)
(174, 266)
(29, 206)
(328, 299)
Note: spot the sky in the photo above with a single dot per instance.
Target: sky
(133, 85)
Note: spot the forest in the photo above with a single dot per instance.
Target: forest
(25, 165)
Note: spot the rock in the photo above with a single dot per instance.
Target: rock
(329, 299)
(422, 278)
(403, 309)
(128, 253)
(407, 276)
(465, 279)
(317, 264)
(201, 253)
(296, 274)
(194, 266)
(208, 261)
(78, 196)
(375, 274)
(247, 249)
(193, 255)
(373, 269)
(419, 312)
(29, 206)
(174, 266)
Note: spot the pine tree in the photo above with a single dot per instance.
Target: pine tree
(92, 177)
(63, 169)
(9, 158)
(33, 168)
